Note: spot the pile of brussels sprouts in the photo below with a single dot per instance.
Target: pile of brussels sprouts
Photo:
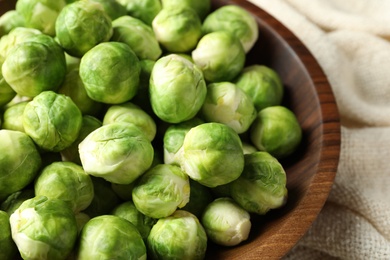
(135, 129)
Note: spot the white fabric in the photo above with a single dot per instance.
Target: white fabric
(351, 41)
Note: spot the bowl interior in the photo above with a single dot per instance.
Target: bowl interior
(311, 170)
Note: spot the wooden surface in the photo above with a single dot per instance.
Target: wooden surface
(311, 171)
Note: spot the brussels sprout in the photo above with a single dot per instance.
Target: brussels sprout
(10, 20)
(220, 56)
(117, 152)
(236, 20)
(127, 210)
(212, 154)
(276, 130)
(13, 117)
(82, 25)
(130, 113)
(200, 197)
(44, 228)
(161, 190)
(227, 104)
(110, 237)
(40, 14)
(177, 89)
(179, 236)
(262, 84)
(262, 184)
(73, 87)
(104, 199)
(46, 120)
(14, 37)
(13, 201)
(34, 66)
(145, 10)
(225, 222)
(177, 29)
(19, 161)
(138, 35)
(173, 140)
(202, 7)
(110, 72)
(88, 125)
(113, 8)
(66, 181)
(8, 248)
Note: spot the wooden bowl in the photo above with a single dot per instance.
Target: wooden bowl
(312, 169)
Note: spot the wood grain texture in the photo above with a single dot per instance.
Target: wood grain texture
(312, 169)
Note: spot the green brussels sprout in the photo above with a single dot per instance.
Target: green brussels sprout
(13, 117)
(13, 201)
(236, 20)
(66, 181)
(34, 66)
(227, 104)
(117, 152)
(225, 222)
(113, 8)
(8, 248)
(179, 236)
(161, 190)
(110, 237)
(173, 140)
(138, 35)
(19, 161)
(262, 184)
(88, 125)
(104, 199)
(44, 228)
(220, 56)
(200, 197)
(73, 87)
(46, 120)
(10, 20)
(276, 130)
(212, 154)
(177, 29)
(81, 25)
(177, 89)
(40, 14)
(110, 72)
(130, 113)
(202, 7)
(127, 210)
(145, 10)
(14, 37)
(262, 84)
